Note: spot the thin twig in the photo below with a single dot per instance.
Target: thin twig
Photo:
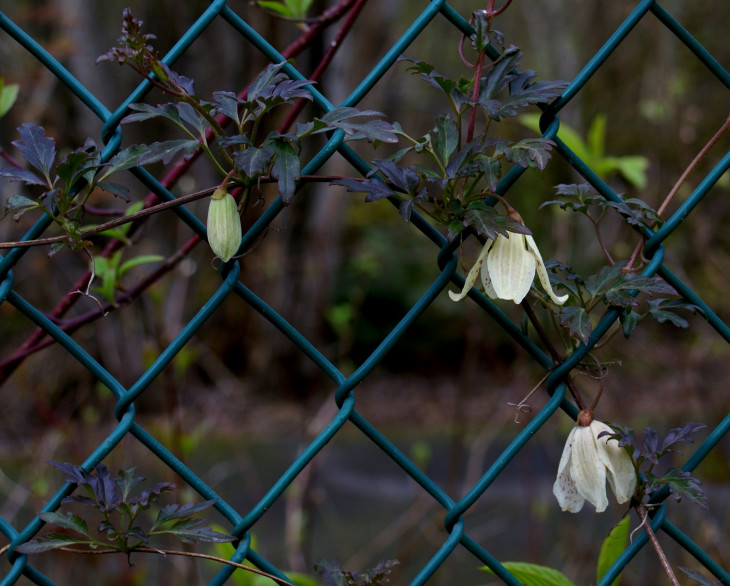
(682, 178)
(166, 552)
(658, 548)
(154, 209)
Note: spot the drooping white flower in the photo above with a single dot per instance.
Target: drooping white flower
(508, 267)
(587, 463)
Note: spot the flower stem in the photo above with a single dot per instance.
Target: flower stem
(658, 548)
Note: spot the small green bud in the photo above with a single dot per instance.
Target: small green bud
(224, 225)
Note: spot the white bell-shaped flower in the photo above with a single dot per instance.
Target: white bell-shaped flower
(587, 462)
(508, 267)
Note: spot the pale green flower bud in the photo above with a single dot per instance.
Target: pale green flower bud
(224, 225)
(587, 463)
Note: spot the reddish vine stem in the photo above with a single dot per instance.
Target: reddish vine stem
(178, 170)
(657, 547)
(682, 178)
(326, 60)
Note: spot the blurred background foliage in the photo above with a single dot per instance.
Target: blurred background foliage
(343, 272)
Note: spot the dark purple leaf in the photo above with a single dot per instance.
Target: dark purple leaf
(37, 148)
(24, 175)
(681, 434)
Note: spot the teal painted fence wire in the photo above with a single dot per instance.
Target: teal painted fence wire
(243, 522)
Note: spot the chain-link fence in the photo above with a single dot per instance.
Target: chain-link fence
(241, 523)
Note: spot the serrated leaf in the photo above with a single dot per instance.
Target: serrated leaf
(285, 167)
(522, 94)
(612, 548)
(227, 103)
(254, 161)
(68, 521)
(23, 175)
(192, 117)
(533, 574)
(105, 488)
(74, 474)
(430, 75)
(186, 532)
(500, 74)
(528, 152)
(166, 151)
(116, 189)
(491, 169)
(596, 284)
(445, 138)
(403, 178)
(684, 485)
(681, 434)
(629, 320)
(374, 189)
(37, 148)
(579, 322)
(171, 512)
(19, 204)
(372, 130)
(46, 544)
(266, 78)
(147, 111)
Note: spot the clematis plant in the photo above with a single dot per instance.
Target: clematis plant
(590, 458)
(508, 265)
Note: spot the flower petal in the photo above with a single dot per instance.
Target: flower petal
(564, 488)
(620, 469)
(472, 276)
(511, 267)
(587, 469)
(542, 272)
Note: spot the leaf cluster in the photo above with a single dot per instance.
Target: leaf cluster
(458, 167)
(613, 286)
(581, 198)
(62, 189)
(332, 574)
(646, 454)
(119, 504)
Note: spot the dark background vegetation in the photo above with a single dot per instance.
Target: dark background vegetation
(241, 400)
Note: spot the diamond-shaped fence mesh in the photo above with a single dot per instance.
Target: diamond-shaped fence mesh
(230, 289)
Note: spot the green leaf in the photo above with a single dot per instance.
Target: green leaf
(285, 167)
(254, 161)
(528, 152)
(8, 96)
(24, 175)
(68, 521)
(684, 485)
(445, 138)
(373, 189)
(18, 205)
(168, 150)
(578, 320)
(372, 130)
(491, 169)
(629, 320)
(533, 574)
(147, 111)
(139, 260)
(53, 541)
(613, 546)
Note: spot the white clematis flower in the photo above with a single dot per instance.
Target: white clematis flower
(587, 462)
(508, 267)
